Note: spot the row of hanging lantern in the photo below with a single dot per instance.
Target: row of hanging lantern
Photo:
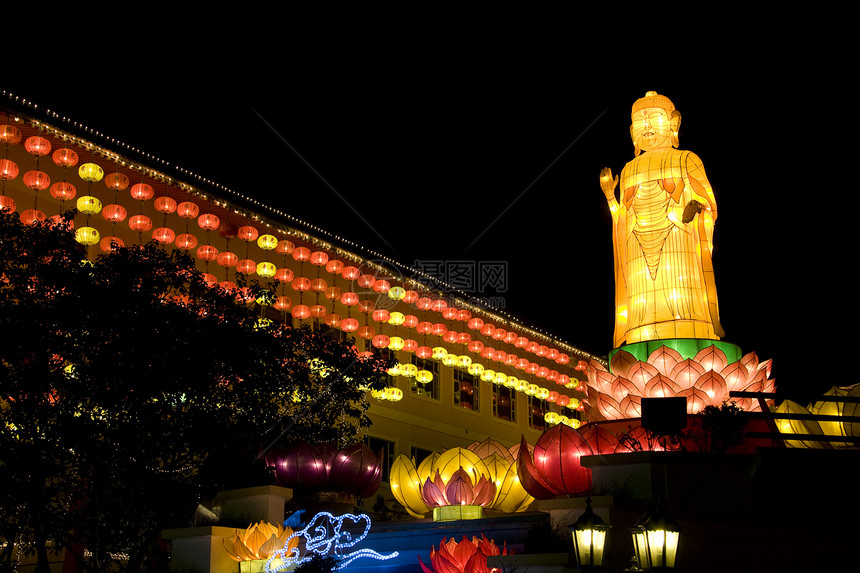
(89, 205)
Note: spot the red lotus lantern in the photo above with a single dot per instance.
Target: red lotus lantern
(553, 468)
(227, 259)
(30, 216)
(165, 204)
(114, 213)
(163, 235)
(208, 222)
(301, 311)
(353, 469)
(37, 145)
(63, 191)
(283, 303)
(37, 180)
(140, 223)
(116, 181)
(301, 284)
(65, 157)
(246, 267)
(248, 233)
(207, 253)
(334, 266)
(284, 275)
(186, 241)
(142, 191)
(8, 170)
(349, 325)
(302, 254)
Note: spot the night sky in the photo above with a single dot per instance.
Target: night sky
(422, 154)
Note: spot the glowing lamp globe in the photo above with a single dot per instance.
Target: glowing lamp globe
(30, 216)
(381, 315)
(208, 222)
(186, 241)
(476, 368)
(267, 242)
(396, 343)
(227, 259)
(408, 370)
(349, 325)
(319, 311)
(301, 311)
(396, 318)
(284, 275)
(475, 324)
(165, 205)
(318, 258)
(116, 181)
(266, 269)
(246, 266)
(187, 210)
(63, 191)
(440, 353)
(380, 341)
(301, 254)
(8, 170)
(410, 345)
(396, 293)
(366, 332)
(38, 146)
(163, 235)
(248, 233)
(65, 157)
(110, 244)
(283, 303)
(87, 236)
(207, 253)
(114, 213)
(424, 352)
(89, 205)
(37, 180)
(424, 376)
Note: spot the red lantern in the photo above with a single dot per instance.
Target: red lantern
(521, 342)
(366, 281)
(366, 332)
(464, 315)
(142, 191)
(207, 253)
(9, 134)
(30, 216)
(542, 350)
(349, 299)
(334, 266)
(333, 320)
(208, 221)
(301, 284)
(381, 341)
(319, 258)
(450, 313)
(209, 279)
(7, 204)
(381, 315)
(511, 359)
(333, 293)
(439, 329)
(285, 247)
(381, 286)
(302, 254)
(186, 241)
(38, 146)
(227, 259)
(164, 235)
(349, 325)
(552, 354)
(488, 329)
(318, 311)
(424, 327)
(110, 244)
(475, 324)
(228, 230)
(488, 352)
(284, 275)
(63, 191)
(140, 223)
(476, 346)
(114, 213)
(65, 157)
(439, 305)
(187, 210)
(450, 336)
(366, 306)
(37, 180)
(511, 337)
(283, 303)
(501, 356)
(410, 345)
(542, 372)
(499, 334)
(116, 181)
(228, 286)
(562, 359)
(8, 170)
(246, 267)
(319, 285)
(563, 380)
(562, 400)
(423, 303)
(423, 352)
(410, 321)
(248, 233)
(410, 296)
(350, 273)
(165, 204)
(552, 375)
(464, 338)
(301, 311)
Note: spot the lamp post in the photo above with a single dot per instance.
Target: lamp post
(655, 541)
(589, 539)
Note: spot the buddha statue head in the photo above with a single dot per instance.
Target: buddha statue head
(654, 123)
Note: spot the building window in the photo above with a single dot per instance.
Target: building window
(537, 409)
(504, 403)
(378, 445)
(429, 389)
(465, 390)
(420, 454)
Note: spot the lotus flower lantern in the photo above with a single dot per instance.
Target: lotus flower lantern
(553, 468)
(466, 556)
(259, 541)
(354, 469)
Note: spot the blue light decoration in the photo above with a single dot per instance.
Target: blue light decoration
(323, 536)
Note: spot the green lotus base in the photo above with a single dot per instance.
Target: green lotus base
(686, 347)
(457, 512)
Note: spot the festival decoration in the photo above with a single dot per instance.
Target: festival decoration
(259, 541)
(705, 378)
(824, 428)
(354, 469)
(466, 556)
(662, 233)
(552, 469)
(324, 535)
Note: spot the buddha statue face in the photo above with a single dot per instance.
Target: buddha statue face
(654, 128)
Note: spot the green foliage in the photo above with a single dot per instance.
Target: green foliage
(127, 385)
(723, 426)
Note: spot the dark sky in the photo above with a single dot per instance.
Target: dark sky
(494, 155)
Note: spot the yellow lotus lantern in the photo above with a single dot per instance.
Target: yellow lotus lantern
(829, 405)
(258, 542)
(484, 475)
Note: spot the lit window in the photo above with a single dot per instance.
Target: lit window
(466, 389)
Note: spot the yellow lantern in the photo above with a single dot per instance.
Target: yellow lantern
(408, 370)
(91, 172)
(522, 385)
(396, 293)
(424, 376)
(450, 360)
(396, 318)
(378, 394)
(551, 418)
(542, 393)
(89, 205)
(464, 361)
(396, 343)
(267, 242)
(395, 370)
(439, 353)
(488, 375)
(393, 394)
(501, 378)
(266, 269)
(511, 382)
(87, 235)
(476, 369)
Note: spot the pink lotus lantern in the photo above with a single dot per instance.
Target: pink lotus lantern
(354, 469)
(459, 489)
(466, 556)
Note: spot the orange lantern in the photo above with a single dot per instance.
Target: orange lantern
(284, 275)
(439, 305)
(410, 321)
(450, 336)
(283, 303)
(246, 266)
(366, 280)
(301, 284)
(140, 223)
(562, 359)
(165, 204)
(208, 222)
(410, 345)
(228, 286)
(7, 204)
(186, 241)
(464, 338)
(464, 315)
(187, 210)
(424, 327)
(366, 332)
(521, 342)
(488, 352)
(318, 311)
(319, 285)
(38, 146)
(349, 298)
(423, 352)
(207, 253)
(381, 315)
(248, 233)
(9, 134)
(63, 191)
(227, 259)
(30, 216)
(163, 235)
(114, 213)
(116, 181)
(8, 170)
(333, 320)
(366, 306)
(209, 279)
(111, 244)
(37, 180)
(302, 254)
(334, 266)
(333, 293)
(450, 313)
(319, 258)
(350, 273)
(349, 325)
(476, 346)
(511, 337)
(65, 157)
(439, 329)
(381, 286)
(380, 341)
(142, 191)
(410, 296)
(301, 311)
(475, 324)
(285, 247)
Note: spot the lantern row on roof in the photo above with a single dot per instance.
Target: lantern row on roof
(317, 280)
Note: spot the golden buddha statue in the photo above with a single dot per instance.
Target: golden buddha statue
(663, 224)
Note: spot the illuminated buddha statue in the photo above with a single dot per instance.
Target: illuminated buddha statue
(663, 224)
